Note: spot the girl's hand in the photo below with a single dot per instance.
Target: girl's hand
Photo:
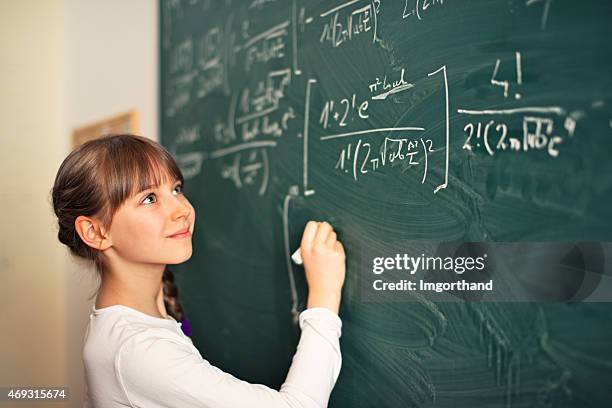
(324, 263)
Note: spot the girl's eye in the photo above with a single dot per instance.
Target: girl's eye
(178, 187)
(147, 197)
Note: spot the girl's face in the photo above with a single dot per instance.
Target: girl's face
(142, 228)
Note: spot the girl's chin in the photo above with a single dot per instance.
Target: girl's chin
(181, 259)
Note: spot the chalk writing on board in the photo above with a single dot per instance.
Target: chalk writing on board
(190, 162)
(382, 89)
(181, 57)
(309, 85)
(260, 3)
(341, 111)
(256, 106)
(543, 128)
(246, 164)
(538, 134)
(255, 113)
(359, 158)
(265, 46)
(442, 70)
(297, 19)
(378, 130)
(292, 193)
(210, 60)
(350, 20)
(545, 10)
(240, 147)
(182, 75)
(224, 132)
(178, 93)
(199, 66)
(505, 84)
(417, 8)
(188, 135)
(251, 168)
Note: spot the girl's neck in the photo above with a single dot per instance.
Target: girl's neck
(144, 295)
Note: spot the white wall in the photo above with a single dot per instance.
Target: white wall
(64, 64)
(32, 318)
(111, 61)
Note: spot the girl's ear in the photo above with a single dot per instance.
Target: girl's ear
(92, 232)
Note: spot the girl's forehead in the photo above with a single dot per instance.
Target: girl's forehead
(156, 177)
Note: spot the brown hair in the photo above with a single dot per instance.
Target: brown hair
(96, 178)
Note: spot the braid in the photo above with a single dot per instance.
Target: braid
(173, 306)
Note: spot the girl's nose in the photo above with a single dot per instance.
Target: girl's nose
(181, 209)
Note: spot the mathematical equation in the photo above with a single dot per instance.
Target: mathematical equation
(350, 20)
(538, 133)
(418, 8)
(542, 128)
(266, 62)
(360, 158)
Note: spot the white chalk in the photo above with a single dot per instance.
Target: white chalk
(297, 257)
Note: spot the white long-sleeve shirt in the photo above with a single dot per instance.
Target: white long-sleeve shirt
(133, 359)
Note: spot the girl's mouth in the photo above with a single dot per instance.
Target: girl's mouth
(184, 233)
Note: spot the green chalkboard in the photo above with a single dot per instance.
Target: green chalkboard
(403, 122)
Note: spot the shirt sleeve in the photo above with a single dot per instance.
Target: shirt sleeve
(158, 371)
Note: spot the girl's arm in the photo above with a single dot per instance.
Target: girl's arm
(155, 370)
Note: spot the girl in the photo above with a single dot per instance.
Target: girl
(119, 202)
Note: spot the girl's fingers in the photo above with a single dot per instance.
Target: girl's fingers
(310, 232)
(331, 239)
(322, 232)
